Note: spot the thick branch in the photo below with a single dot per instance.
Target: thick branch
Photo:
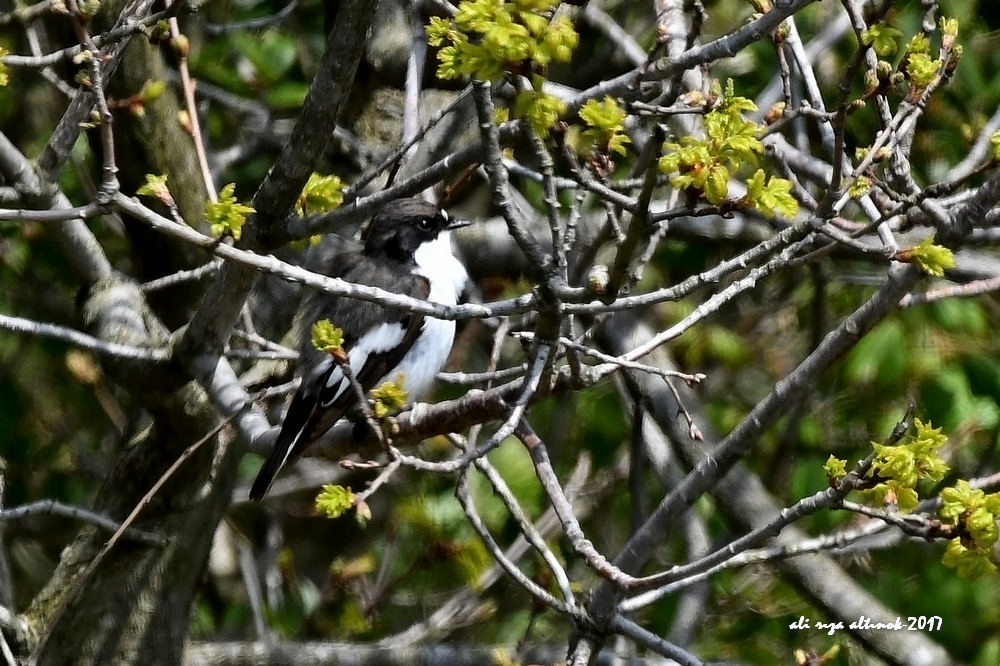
(331, 86)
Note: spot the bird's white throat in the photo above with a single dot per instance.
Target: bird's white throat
(446, 274)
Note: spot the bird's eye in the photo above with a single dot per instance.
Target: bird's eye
(425, 224)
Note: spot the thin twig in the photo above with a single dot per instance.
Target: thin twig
(51, 507)
(188, 88)
(37, 328)
(570, 523)
(468, 506)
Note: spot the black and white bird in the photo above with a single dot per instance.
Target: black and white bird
(407, 251)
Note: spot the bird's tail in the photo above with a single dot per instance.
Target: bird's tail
(292, 438)
(265, 477)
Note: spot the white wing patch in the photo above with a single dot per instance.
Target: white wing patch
(381, 338)
(335, 381)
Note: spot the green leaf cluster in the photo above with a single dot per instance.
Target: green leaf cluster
(227, 215)
(974, 514)
(388, 397)
(898, 468)
(326, 337)
(269, 66)
(773, 195)
(932, 259)
(919, 65)
(435, 526)
(705, 164)
(605, 122)
(320, 194)
(4, 78)
(882, 39)
(156, 187)
(487, 39)
(541, 110)
(334, 501)
(922, 68)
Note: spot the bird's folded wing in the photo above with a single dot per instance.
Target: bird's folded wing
(376, 339)
(325, 395)
(371, 359)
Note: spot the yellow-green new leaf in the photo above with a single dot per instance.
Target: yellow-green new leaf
(716, 183)
(227, 215)
(320, 194)
(771, 195)
(488, 39)
(389, 397)
(541, 110)
(835, 468)
(603, 115)
(4, 78)
(334, 501)
(605, 121)
(969, 563)
(882, 39)
(326, 337)
(156, 187)
(932, 259)
(922, 69)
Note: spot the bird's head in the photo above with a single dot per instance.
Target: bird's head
(403, 225)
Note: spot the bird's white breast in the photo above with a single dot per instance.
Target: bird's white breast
(447, 278)
(425, 359)
(446, 273)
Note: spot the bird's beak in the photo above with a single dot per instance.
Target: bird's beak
(458, 224)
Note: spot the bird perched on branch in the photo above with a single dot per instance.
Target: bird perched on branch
(407, 251)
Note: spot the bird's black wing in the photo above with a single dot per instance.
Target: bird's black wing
(375, 340)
